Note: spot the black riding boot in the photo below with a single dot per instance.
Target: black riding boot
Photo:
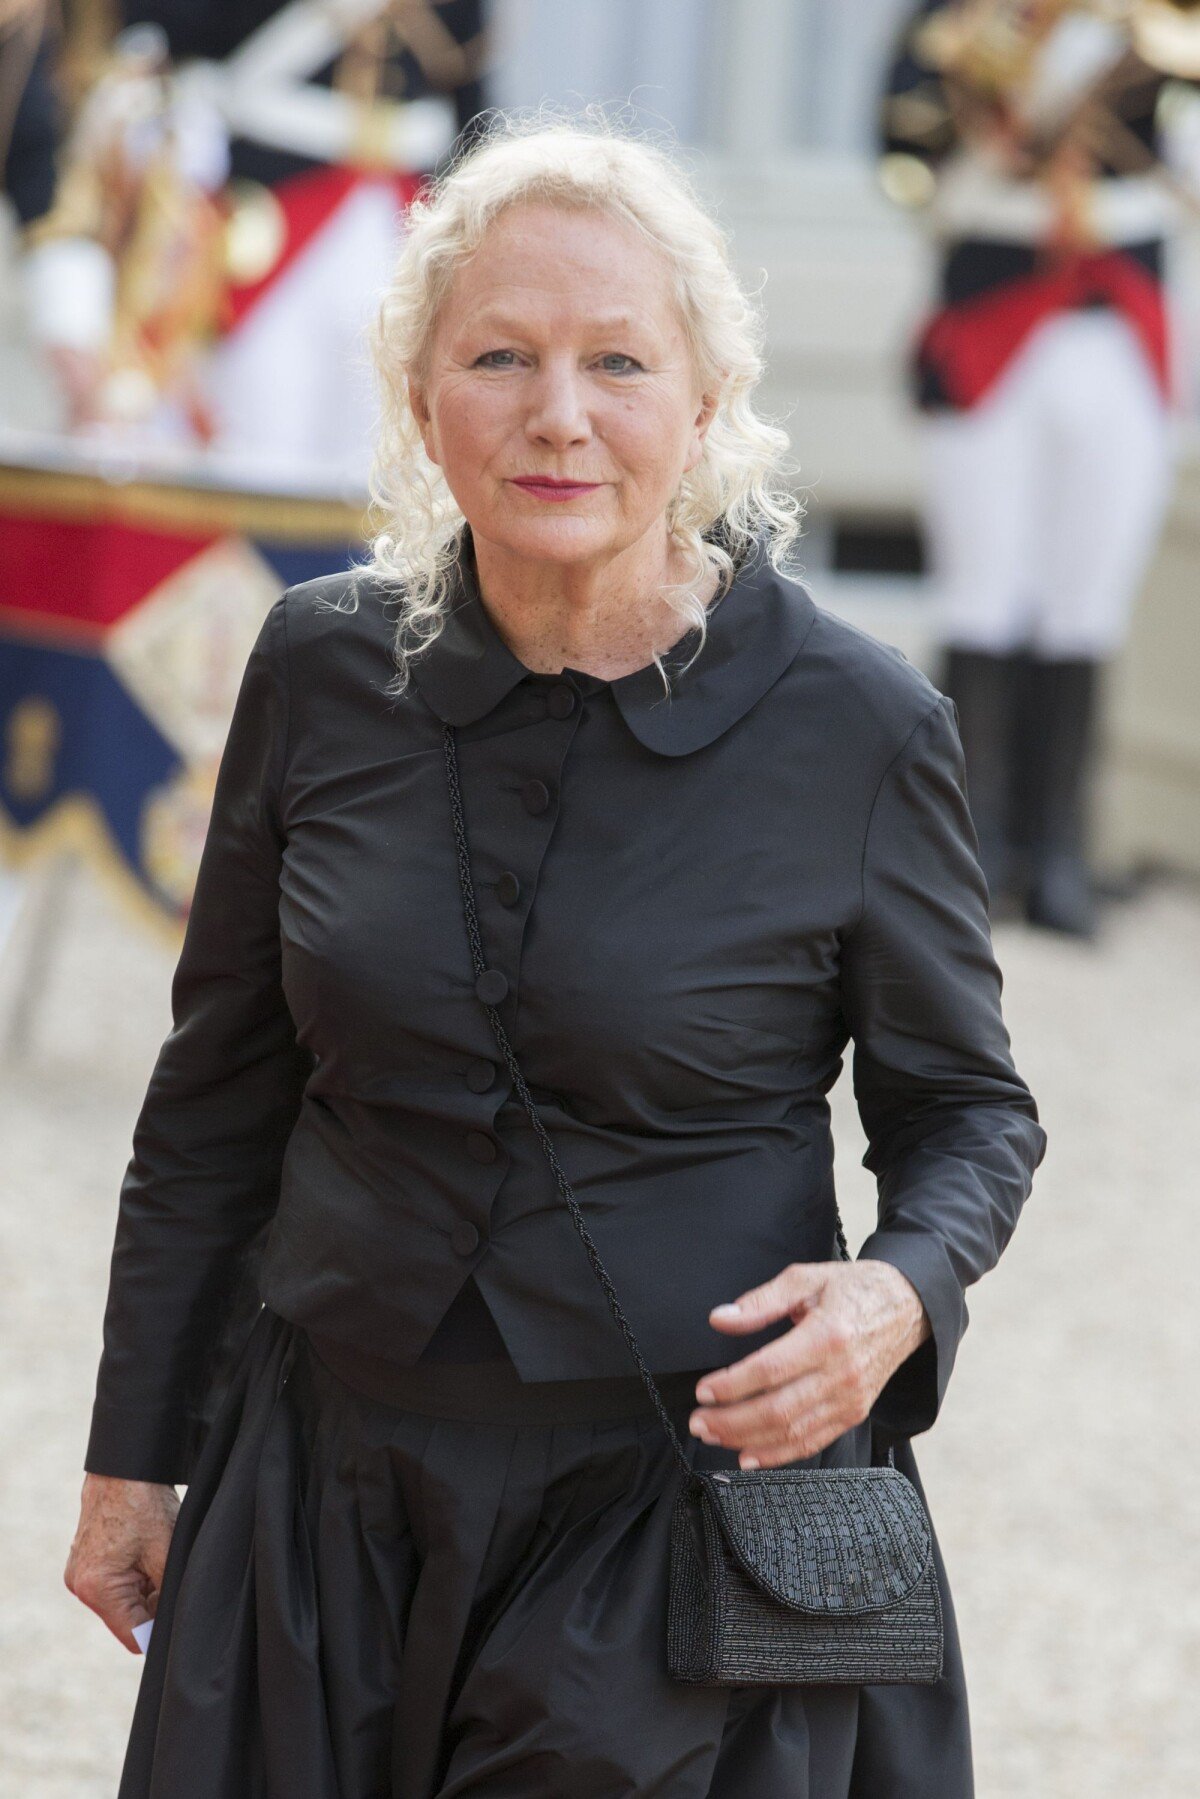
(1058, 714)
(982, 685)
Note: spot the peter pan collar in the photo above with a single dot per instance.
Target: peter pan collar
(755, 631)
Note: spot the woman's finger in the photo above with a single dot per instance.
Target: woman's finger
(120, 1599)
(766, 1417)
(810, 1347)
(788, 1292)
(789, 1425)
(806, 1441)
(154, 1559)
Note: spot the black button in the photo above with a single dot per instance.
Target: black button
(492, 987)
(508, 889)
(464, 1237)
(480, 1076)
(560, 701)
(536, 796)
(481, 1148)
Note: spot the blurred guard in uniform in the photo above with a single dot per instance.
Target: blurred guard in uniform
(336, 109)
(51, 57)
(31, 120)
(1032, 131)
(123, 233)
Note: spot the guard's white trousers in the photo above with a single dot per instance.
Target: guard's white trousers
(1044, 501)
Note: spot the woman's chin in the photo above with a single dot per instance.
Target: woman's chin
(561, 536)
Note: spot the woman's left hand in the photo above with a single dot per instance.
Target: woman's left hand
(854, 1324)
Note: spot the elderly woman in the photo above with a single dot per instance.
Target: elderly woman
(713, 833)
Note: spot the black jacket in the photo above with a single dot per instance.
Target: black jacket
(695, 903)
(214, 29)
(916, 116)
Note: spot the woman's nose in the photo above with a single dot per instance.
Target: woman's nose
(558, 411)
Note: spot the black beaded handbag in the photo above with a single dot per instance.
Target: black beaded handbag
(777, 1576)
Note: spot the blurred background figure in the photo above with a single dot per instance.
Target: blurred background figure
(208, 197)
(32, 122)
(1035, 134)
(192, 193)
(123, 266)
(335, 112)
(65, 276)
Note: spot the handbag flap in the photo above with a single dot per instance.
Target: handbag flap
(832, 1540)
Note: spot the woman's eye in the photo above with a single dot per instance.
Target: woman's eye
(616, 363)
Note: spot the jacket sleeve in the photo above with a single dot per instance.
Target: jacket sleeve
(225, 1091)
(953, 1132)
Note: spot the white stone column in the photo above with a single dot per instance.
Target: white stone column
(754, 76)
(650, 54)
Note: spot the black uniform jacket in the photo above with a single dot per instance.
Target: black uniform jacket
(916, 119)
(216, 28)
(695, 901)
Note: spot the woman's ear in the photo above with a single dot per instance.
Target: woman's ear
(704, 417)
(418, 400)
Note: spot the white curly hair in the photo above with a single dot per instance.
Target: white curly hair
(736, 498)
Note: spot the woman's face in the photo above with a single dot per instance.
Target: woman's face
(559, 355)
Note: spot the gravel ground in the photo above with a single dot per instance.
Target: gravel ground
(1062, 1474)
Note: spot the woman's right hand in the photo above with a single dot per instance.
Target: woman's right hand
(120, 1550)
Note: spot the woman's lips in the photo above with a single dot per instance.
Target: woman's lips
(547, 489)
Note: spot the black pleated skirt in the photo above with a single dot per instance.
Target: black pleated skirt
(366, 1600)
